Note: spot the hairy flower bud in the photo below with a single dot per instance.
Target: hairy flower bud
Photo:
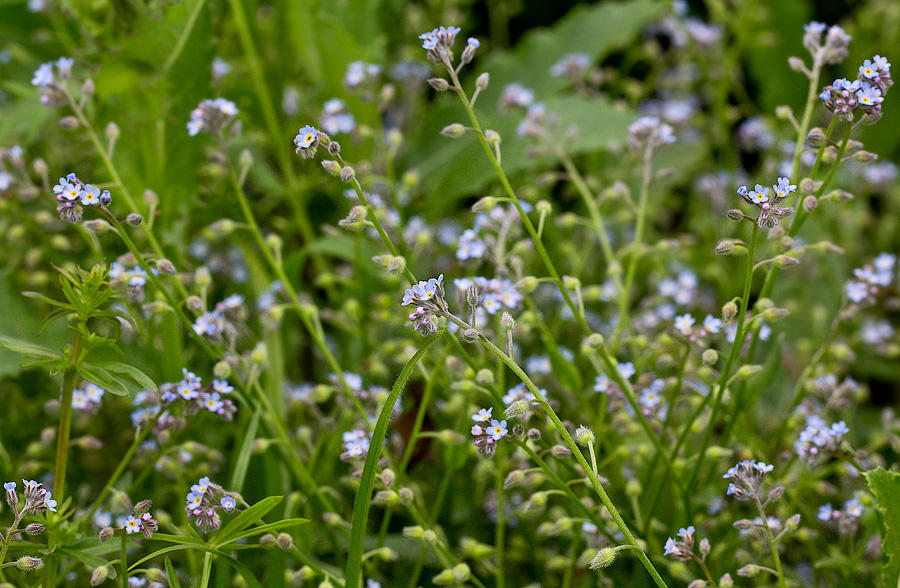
(729, 312)
(106, 533)
(484, 377)
(455, 130)
(514, 478)
(348, 174)
(507, 322)
(725, 248)
(584, 436)
(796, 64)
(810, 203)
(27, 563)
(267, 541)
(492, 137)
(134, 219)
(785, 260)
(166, 267)
(735, 215)
(560, 451)
(603, 559)
(710, 357)
(34, 529)
(331, 166)
(816, 137)
(481, 83)
(439, 84)
(516, 409)
(285, 541)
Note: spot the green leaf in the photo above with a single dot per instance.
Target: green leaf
(27, 349)
(90, 560)
(99, 376)
(171, 576)
(278, 526)
(885, 486)
(178, 539)
(116, 367)
(47, 300)
(239, 475)
(244, 520)
(367, 481)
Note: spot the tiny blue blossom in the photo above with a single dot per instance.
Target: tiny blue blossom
(228, 503)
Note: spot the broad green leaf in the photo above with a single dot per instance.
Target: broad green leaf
(885, 486)
(245, 519)
(116, 367)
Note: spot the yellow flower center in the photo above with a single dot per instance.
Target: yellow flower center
(308, 139)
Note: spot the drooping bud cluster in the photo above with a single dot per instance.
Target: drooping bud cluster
(204, 502)
(865, 94)
(72, 194)
(770, 212)
(211, 116)
(428, 298)
(356, 444)
(487, 431)
(834, 49)
(871, 278)
(37, 499)
(746, 479)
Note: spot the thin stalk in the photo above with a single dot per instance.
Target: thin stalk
(772, 545)
(123, 559)
(726, 371)
(65, 420)
(625, 293)
(207, 569)
(500, 526)
(811, 101)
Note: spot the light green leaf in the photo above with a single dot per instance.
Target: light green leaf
(885, 486)
(244, 520)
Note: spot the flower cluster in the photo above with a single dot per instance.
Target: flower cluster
(428, 298)
(211, 116)
(50, 79)
(360, 73)
(215, 324)
(470, 246)
(133, 278)
(139, 521)
(685, 325)
(493, 294)
(682, 549)
(865, 94)
(37, 499)
(191, 397)
(650, 133)
(516, 96)
(871, 278)
(819, 437)
(487, 431)
(356, 444)
(520, 392)
(759, 197)
(307, 141)
(72, 194)
(439, 43)
(746, 479)
(844, 519)
(87, 396)
(205, 500)
(572, 66)
(603, 383)
(336, 118)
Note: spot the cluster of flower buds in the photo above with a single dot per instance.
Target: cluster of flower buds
(72, 194)
(834, 49)
(759, 197)
(865, 94)
(205, 500)
(844, 519)
(51, 78)
(356, 444)
(682, 549)
(820, 438)
(487, 431)
(428, 298)
(871, 278)
(746, 479)
(139, 521)
(649, 133)
(211, 116)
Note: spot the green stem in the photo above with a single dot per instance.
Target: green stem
(567, 438)
(500, 526)
(812, 97)
(123, 559)
(772, 545)
(207, 570)
(625, 293)
(65, 420)
(732, 356)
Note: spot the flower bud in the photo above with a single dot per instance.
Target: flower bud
(166, 267)
(34, 529)
(439, 84)
(396, 264)
(603, 559)
(534, 434)
(348, 174)
(484, 377)
(470, 335)
(106, 533)
(112, 131)
(735, 215)
(285, 541)
(507, 322)
(793, 523)
(729, 312)
(99, 575)
(785, 260)
(595, 341)
(816, 137)
(710, 357)
(27, 563)
(527, 284)
(386, 498)
(429, 537)
(697, 584)
(331, 166)
(492, 137)
(267, 541)
(516, 409)
(560, 451)
(481, 83)
(796, 64)
(406, 494)
(749, 571)
(584, 436)
(840, 196)
(776, 493)
(415, 532)
(747, 371)
(726, 582)
(245, 159)
(483, 204)
(725, 248)
(98, 225)
(69, 123)
(514, 478)
(455, 130)
(134, 219)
